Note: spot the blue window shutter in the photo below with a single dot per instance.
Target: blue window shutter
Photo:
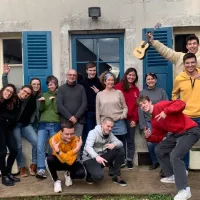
(37, 56)
(154, 62)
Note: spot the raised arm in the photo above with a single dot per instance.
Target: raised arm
(164, 51)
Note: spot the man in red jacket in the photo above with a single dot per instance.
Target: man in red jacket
(167, 117)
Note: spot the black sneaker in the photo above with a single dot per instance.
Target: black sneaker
(129, 164)
(13, 178)
(89, 179)
(119, 180)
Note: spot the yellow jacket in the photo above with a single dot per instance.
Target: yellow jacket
(173, 56)
(67, 154)
(187, 89)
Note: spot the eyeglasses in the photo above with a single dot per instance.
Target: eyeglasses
(10, 91)
(28, 93)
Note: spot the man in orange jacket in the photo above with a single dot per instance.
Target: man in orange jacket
(65, 146)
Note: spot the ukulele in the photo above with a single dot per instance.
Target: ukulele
(140, 51)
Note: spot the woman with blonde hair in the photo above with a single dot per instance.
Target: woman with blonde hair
(111, 103)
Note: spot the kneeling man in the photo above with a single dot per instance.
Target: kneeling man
(103, 149)
(65, 146)
(167, 117)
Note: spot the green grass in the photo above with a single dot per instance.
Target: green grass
(88, 197)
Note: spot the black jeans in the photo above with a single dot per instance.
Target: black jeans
(115, 158)
(53, 165)
(130, 139)
(171, 151)
(7, 140)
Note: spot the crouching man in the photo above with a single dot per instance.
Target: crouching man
(103, 149)
(65, 146)
(167, 117)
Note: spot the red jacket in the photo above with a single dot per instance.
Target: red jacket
(175, 121)
(130, 97)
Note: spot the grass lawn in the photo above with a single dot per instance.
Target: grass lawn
(88, 197)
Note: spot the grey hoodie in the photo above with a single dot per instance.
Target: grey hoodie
(96, 144)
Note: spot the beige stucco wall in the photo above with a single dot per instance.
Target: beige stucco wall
(64, 16)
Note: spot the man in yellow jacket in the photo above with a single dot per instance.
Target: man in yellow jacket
(192, 45)
(187, 87)
(65, 146)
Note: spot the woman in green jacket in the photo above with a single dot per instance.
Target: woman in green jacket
(49, 123)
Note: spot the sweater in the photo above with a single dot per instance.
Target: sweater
(91, 95)
(28, 107)
(173, 56)
(71, 101)
(48, 108)
(9, 117)
(175, 122)
(96, 143)
(67, 154)
(130, 97)
(155, 95)
(187, 89)
(110, 104)
(27, 110)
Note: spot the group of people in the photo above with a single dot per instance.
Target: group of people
(91, 124)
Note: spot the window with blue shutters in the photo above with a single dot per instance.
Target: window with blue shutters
(154, 62)
(37, 56)
(106, 50)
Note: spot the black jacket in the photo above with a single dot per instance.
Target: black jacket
(91, 95)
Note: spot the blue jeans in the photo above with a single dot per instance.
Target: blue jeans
(151, 146)
(29, 134)
(45, 131)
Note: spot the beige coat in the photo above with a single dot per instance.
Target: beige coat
(175, 57)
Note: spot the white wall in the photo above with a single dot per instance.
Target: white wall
(62, 16)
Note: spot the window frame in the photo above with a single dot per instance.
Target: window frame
(74, 37)
(1, 53)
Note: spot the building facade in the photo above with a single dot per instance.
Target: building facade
(41, 37)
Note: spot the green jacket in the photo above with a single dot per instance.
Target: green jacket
(48, 108)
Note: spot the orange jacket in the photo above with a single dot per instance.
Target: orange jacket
(67, 154)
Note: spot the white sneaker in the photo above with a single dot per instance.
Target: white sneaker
(183, 194)
(68, 180)
(57, 186)
(169, 179)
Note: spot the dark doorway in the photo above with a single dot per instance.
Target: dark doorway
(180, 42)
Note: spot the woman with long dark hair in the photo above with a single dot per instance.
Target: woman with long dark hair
(131, 93)
(26, 117)
(9, 108)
